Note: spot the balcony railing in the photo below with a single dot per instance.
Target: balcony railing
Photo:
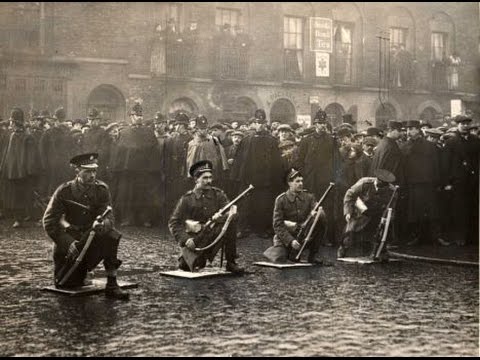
(231, 63)
(179, 61)
(439, 76)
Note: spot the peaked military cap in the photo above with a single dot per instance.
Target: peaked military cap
(384, 175)
(425, 123)
(200, 167)
(373, 131)
(292, 174)
(85, 161)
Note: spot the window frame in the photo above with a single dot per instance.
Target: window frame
(222, 11)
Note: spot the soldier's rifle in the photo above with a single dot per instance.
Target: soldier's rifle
(304, 234)
(203, 239)
(78, 260)
(383, 226)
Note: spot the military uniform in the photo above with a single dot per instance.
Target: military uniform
(65, 202)
(366, 223)
(200, 205)
(294, 207)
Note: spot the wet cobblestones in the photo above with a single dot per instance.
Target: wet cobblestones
(399, 308)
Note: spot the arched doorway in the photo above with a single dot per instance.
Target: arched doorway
(185, 105)
(384, 113)
(282, 111)
(432, 116)
(244, 109)
(109, 101)
(335, 112)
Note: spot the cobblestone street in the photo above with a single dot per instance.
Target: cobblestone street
(399, 308)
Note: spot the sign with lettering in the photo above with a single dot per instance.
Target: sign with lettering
(321, 34)
(304, 120)
(322, 64)
(456, 107)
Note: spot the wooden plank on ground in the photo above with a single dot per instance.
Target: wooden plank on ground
(202, 274)
(283, 265)
(97, 286)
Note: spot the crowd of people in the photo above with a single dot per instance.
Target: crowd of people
(145, 163)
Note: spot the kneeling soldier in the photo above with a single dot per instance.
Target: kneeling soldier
(364, 205)
(291, 210)
(73, 210)
(196, 207)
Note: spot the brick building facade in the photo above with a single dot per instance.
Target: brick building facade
(108, 54)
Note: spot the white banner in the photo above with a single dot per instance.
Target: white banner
(456, 107)
(304, 120)
(321, 34)
(322, 64)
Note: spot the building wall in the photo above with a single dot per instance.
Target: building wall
(110, 44)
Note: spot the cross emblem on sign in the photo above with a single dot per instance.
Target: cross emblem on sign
(322, 64)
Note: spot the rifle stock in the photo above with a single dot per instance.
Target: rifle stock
(383, 226)
(305, 226)
(78, 260)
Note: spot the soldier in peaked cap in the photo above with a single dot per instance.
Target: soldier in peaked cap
(199, 205)
(292, 208)
(80, 201)
(363, 215)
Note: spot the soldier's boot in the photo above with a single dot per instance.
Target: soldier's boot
(234, 268)
(113, 291)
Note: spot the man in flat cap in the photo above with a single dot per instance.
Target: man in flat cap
(462, 154)
(363, 163)
(204, 146)
(422, 179)
(196, 207)
(320, 161)
(291, 210)
(363, 206)
(80, 202)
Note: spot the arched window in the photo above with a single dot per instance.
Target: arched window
(384, 113)
(335, 112)
(109, 101)
(244, 109)
(432, 116)
(185, 105)
(283, 111)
